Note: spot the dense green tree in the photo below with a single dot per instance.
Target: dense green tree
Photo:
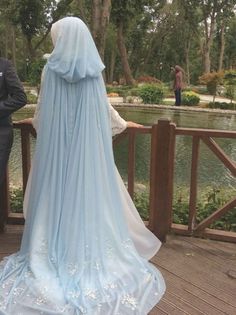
(134, 37)
(222, 21)
(210, 11)
(123, 14)
(230, 46)
(35, 18)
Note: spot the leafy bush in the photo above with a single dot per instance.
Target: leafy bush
(212, 81)
(151, 93)
(31, 98)
(230, 84)
(190, 98)
(210, 199)
(35, 70)
(141, 201)
(222, 105)
(122, 90)
(134, 91)
(16, 199)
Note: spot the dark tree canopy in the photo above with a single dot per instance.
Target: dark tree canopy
(134, 37)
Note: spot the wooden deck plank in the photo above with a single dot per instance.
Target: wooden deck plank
(158, 311)
(10, 241)
(201, 302)
(198, 275)
(196, 267)
(215, 251)
(195, 271)
(170, 308)
(204, 290)
(183, 304)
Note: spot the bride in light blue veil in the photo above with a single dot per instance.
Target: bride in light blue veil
(85, 250)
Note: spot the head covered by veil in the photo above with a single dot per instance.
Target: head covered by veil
(75, 55)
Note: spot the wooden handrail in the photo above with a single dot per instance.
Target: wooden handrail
(205, 132)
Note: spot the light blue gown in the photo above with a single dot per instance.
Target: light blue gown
(79, 255)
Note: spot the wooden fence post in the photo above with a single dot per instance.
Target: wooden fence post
(131, 162)
(161, 184)
(26, 159)
(4, 202)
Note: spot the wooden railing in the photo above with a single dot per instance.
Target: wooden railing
(6, 215)
(202, 228)
(162, 162)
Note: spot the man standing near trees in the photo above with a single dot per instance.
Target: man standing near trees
(12, 98)
(178, 84)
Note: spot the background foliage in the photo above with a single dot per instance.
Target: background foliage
(135, 38)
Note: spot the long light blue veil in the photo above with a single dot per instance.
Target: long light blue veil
(76, 256)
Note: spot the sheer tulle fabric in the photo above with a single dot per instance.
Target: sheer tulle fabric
(79, 253)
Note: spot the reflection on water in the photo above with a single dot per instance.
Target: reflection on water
(182, 118)
(211, 170)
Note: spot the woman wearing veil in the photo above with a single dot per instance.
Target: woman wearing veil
(85, 250)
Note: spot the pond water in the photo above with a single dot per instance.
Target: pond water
(212, 172)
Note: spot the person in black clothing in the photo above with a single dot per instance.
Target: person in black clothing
(12, 97)
(178, 84)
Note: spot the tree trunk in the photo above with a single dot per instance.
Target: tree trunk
(95, 22)
(13, 46)
(209, 31)
(214, 97)
(207, 60)
(123, 55)
(104, 22)
(100, 19)
(30, 49)
(222, 47)
(187, 49)
(111, 69)
(6, 41)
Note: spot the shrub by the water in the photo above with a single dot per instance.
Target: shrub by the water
(230, 84)
(31, 98)
(16, 199)
(122, 90)
(210, 199)
(190, 98)
(35, 71)
(222, 105)
(212, 81)
(151, 93)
